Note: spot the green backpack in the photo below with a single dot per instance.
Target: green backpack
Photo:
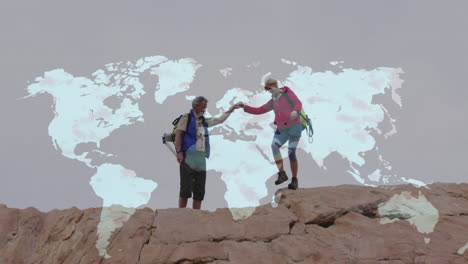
(305, 120)
(171, 137)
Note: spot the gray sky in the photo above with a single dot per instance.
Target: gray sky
(427, 39)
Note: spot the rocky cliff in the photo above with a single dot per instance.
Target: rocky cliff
(340, 224)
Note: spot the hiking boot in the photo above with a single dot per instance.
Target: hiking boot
(282, 177)
(294, 184)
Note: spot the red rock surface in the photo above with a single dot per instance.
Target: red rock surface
(338, 224)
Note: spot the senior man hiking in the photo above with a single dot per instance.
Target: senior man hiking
(193, 147)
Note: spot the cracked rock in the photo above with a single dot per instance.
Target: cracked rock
(340, 224)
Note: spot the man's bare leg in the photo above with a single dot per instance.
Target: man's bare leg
(196, 204)
(182, 202)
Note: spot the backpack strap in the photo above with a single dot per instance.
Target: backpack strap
(176, 120)
(286, 95)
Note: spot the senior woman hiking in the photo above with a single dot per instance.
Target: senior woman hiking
(287, 107)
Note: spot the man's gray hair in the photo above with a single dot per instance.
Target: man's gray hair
(198, 100)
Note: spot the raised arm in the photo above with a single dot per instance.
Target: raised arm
(220, 119)
(259, 110)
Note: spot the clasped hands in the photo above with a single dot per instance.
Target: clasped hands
(235, 106)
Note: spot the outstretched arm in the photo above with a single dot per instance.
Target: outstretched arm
(258, 110)
(220, 119)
